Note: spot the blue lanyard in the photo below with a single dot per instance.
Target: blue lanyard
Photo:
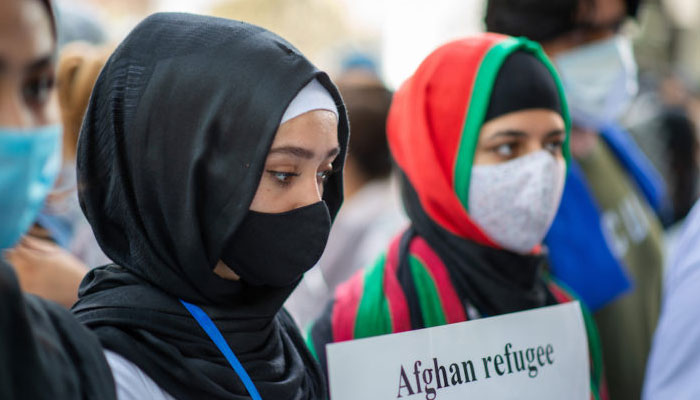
(208, 325)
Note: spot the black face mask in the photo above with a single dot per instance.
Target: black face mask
(276, 249)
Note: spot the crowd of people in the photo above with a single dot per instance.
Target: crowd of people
(170, 209)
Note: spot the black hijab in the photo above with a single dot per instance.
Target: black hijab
(171, 151)
(44, 352)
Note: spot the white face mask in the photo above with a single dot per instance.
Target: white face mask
(515, 202)
(600, 81)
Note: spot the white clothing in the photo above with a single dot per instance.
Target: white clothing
(131, 382)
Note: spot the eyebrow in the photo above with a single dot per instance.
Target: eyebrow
(555, 132)
(301, 152)
(40, 63)
(33, 66)
(511, 133)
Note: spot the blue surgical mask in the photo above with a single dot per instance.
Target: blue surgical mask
(29, 162)
(600, 81)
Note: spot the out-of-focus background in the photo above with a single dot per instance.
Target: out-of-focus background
(391, 37)
(397, 34)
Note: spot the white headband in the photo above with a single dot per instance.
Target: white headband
(312, 97)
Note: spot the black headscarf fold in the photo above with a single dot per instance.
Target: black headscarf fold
(171, 151)
(44, 352)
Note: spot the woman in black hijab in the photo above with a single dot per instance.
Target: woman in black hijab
(206, 191)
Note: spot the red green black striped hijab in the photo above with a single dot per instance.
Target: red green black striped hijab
(435, 120)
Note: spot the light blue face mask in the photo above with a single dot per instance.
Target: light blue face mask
(29, 162)
(600, 81)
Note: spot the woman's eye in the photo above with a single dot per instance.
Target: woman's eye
(283, 178)
(506, 150)
(555, 146)
(37, 90)
(323, 176)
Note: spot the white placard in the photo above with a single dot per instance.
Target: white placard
(537, 354)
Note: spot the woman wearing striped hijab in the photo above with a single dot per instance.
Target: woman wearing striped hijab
(480, 135)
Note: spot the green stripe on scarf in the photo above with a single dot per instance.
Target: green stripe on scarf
(373, 316)
(309, 341)
(479, 103)
(428, 295)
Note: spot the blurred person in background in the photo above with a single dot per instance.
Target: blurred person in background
(480, 135)
(679, 143)
(78, 67)
(44, 352)
(210, 167)
(606, 241)
(78, 23)
(81, 41)
(681, 148)
(372, 213)
(54, 257)
(674, 363)
(662, 122)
